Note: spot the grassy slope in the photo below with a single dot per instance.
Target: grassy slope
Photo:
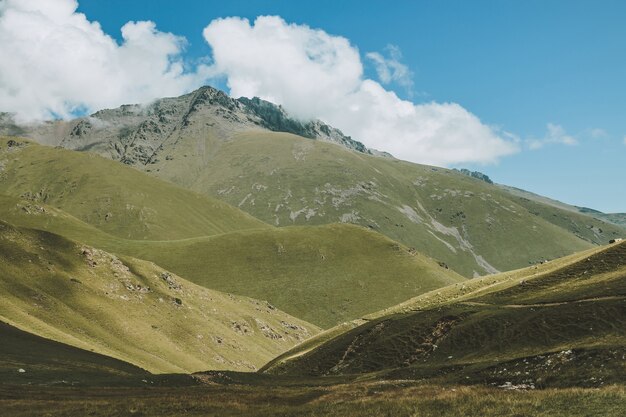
(324, 275)
(115, 198)
(616, 218)
(539, 204)
(561, 323)
(124, 308)
(285, 180)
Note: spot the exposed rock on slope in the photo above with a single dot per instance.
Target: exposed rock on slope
(142, 134)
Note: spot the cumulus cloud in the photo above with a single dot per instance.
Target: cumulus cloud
(301, 68)
(54, 61)
(317, 75)
(555, 134)
(391, 69)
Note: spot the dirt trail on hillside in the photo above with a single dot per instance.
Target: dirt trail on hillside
(585, 300)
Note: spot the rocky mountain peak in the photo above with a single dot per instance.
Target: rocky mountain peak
(137, 134)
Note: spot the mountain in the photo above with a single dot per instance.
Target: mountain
(526, 197)
(133, 310)
(139, 134)
(557, 324)
(311, 174)
(325, 274)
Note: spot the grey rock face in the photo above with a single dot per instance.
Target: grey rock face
(141, 134)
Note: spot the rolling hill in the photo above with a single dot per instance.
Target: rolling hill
(313, 174)
(110, 196)
(557, 324)
(470, 225)
(133, 310)
(536, 203)
(322, 274)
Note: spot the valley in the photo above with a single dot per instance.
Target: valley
(204, 255)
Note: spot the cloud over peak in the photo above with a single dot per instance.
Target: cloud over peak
(317, 75)
(293, 65)
(55, 62)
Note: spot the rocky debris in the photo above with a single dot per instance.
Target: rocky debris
(89, 256)
(510, 386)
(170, 281)
(474, 174)
(32, 209)
(39, 196)
(267, 331)
(81, 129)
(12, 145)
(291, 326)
(241, 328)
(137, 288)
(119, 266)
(299, 332)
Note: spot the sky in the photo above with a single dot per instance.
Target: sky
(532, 93)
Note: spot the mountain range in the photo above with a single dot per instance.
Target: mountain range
(252, 155)
(204, 242)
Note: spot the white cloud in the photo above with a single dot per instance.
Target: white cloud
(54, 61)
(555, 134)
(317, 75)
(391, 69)
(293, 65)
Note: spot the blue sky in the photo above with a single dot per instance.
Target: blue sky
(516, 65)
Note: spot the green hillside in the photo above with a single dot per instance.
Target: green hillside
(474, 227)
(565, 215)
(558, 324)
(324, 274)
(133, 310)
(114, 198)
(231, 149)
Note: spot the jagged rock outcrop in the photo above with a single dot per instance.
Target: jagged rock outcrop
(139, 134)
